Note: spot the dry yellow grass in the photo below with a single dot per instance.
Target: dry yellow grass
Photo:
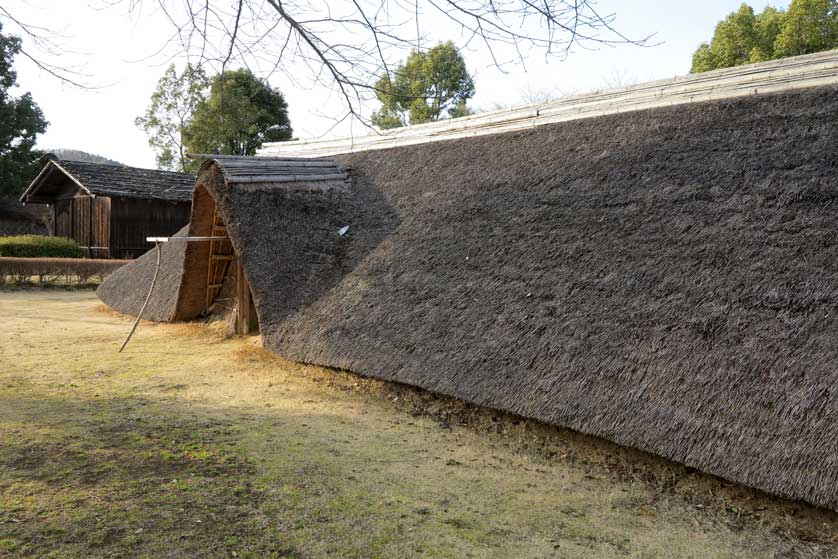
(190, 445)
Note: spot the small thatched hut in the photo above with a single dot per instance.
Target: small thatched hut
(204, 277)
(111, 209)
(664, 278)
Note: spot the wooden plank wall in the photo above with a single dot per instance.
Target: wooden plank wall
(134, 219)
(62, 218)
(102, 227)
(117, 227)
(85, 220)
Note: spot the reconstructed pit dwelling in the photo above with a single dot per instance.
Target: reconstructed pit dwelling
(656, 265)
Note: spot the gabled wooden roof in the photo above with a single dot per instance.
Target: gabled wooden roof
(268, 170)
(117, 181)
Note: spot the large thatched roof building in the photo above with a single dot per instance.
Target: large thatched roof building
(665, 278)
(111, 209)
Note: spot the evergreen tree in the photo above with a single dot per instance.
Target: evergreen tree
(744, 37)
(241, 113)
(426, 87)
(21, 120)
(172, 106)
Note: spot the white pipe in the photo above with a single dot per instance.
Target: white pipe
(188, 239)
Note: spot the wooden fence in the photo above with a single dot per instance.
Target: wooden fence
(56, 270)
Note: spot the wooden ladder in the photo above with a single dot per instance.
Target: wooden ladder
(220, 256)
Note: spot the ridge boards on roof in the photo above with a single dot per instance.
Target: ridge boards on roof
(786, 74)
(248, 161)
(284, 178)
(248, 169)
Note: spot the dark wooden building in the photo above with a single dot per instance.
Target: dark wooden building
(18, 219)
(111, 209)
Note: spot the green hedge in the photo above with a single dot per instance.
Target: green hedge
(37, 246)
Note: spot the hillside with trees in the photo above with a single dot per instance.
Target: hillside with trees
(83, 156)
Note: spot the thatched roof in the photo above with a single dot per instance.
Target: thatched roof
(101, 179)
(665, 279)
(126, 288)
(302, 220)
(174, 296)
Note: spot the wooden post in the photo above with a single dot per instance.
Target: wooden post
(242, 301)
(90, 242)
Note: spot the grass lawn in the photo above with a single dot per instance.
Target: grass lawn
(190, 445)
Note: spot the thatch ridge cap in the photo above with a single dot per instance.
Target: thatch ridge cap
(237, 169)
(806, 71)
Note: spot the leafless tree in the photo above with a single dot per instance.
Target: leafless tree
(348, 44)
(619, 78)
(43, 47)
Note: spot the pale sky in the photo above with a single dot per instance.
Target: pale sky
(119, 51)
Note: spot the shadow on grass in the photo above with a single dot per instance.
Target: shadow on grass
(141, 477)
(105, 478)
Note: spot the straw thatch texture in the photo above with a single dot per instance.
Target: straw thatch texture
(125, 290)
(665, 279)
(284, 234)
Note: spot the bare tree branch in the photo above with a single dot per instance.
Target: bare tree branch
(347, 45)
(45, 47)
